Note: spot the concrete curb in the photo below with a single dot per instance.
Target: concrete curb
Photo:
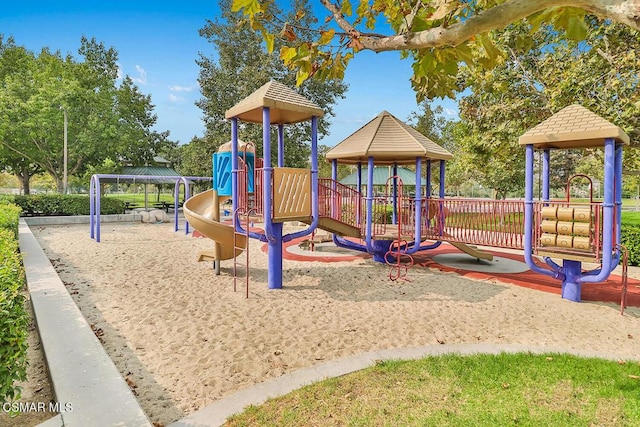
(217, 413)
(83, 376)
(80, 219)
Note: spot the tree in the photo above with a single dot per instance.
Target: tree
(104, 120)
(537, 79)
(240, 66)
(16, 63)
(436, 34)
(137, 142)
(195, 158)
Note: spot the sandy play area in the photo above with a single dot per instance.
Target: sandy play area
(184, 339)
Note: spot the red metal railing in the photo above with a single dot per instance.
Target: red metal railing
(339, 202)
(486, 222)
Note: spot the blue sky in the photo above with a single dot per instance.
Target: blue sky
(158, 43)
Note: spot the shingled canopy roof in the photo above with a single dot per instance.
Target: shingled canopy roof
(286, 106)
(573, 127)
(388, 140)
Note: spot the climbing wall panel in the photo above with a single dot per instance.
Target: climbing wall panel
(291, 194)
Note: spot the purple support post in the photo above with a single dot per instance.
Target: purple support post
(273, 230)
(314, 186)
(442, 169)
(418, 206)
(92, 207)
(97, 209)
(359, 187)
(234, 164)
(545, 175)
(369, 200)
(280, 145)
(609, 260)
(618, 195)
(528, 219)
(394, 199)
(187, 195)
(427, 190)
(571, 287)
(176, 196)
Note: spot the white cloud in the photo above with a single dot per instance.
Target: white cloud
(142, 76)
(174, 98)
(450, 112)
(178, 88)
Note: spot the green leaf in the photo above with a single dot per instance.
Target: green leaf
(576, 28)
(269, 40)
(489, 47)
(249, 7)
(287, 54)
(346, 7)
(326, 36)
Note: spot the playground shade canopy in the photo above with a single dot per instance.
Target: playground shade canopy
(147, 174)
(286, 105)
(573, 126)
(381, 175)
(388, 140)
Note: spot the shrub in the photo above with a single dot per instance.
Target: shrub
(631, 240)
(13, 316)
(6, 198)
(9, 215)
(61, 204)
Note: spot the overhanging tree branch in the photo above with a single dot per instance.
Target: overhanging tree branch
(625, 11)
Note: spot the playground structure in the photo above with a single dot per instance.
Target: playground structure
(95, 194)
(574, 232)
(397, 224)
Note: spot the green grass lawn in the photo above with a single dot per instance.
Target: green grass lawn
(481, 390)
(630, 218)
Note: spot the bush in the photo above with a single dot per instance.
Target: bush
(9, 215)
(61, 204)
(13, 316)
(631, 240)
(6, 198)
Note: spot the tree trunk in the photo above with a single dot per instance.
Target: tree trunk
(24, 180)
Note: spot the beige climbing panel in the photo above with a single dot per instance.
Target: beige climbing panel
(291, 194)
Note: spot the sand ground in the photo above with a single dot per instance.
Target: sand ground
(183, 338)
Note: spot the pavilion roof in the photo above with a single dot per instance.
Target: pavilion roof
(573, 127)
(285, 105)
(388, 140)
